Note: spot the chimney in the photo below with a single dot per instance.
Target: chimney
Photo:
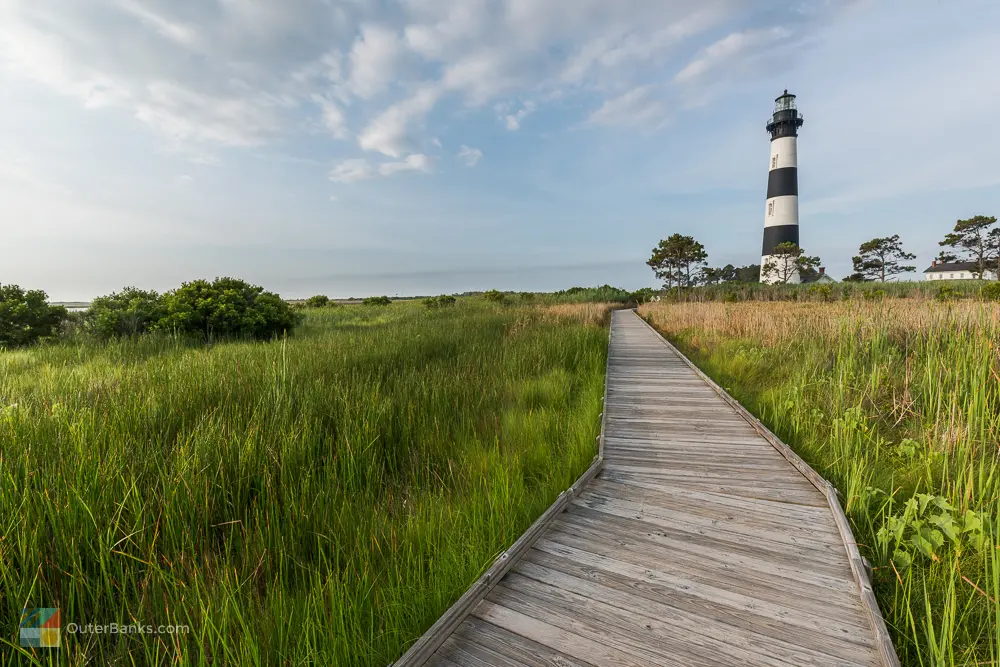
(933, 262)
(822, 270)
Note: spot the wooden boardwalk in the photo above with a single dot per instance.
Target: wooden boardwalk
(699, 542)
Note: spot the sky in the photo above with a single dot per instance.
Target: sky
(412, 147)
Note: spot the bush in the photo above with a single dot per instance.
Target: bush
(527, 296)
(26, 316)
(127, 313)
(318, 301)
(493, 296)
(990, 291)
(442, 301)
(377, 301)
(875, 294)
(821, 292)
(641, 296)
(226, 307)
(946, 293)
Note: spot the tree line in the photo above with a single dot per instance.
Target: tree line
(681, 261)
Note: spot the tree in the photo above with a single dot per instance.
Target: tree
(130, 312)
(26, 316)
(318, 301)
(976, 240)
(945, 256)
(713, 276)
(748, 274)
(496, 296)
(881, 258)
(377, 301)
(787, 261)
(674, 258)
(225, 307)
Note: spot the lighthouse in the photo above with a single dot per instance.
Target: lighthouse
(781, 215)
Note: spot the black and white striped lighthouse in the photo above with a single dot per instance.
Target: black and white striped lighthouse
(781, 215)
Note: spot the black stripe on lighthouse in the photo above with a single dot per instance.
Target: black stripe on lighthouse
(777, 234)
(782, 182)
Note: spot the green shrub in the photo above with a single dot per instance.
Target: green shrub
(377, 301)
(946, 293)
(990, 291)
(443, 301)
(641, 295)
(821, 292)
(527, 296)
(26, 316)
(226, 307)
(493, 296)
(875, 294)
(127, 313)
(318, 301)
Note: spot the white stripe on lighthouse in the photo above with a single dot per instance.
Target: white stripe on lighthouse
(784, 153)
(781, 211)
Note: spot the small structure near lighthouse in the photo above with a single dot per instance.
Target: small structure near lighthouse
(781, 214)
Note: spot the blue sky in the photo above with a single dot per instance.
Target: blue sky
(423, 146)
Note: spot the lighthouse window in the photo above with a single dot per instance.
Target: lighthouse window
(774, 162)
(770, 207)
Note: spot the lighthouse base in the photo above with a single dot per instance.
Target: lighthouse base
(776, 270)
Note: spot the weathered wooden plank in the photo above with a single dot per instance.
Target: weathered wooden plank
(743, 637)
(626, 531)
(516, 647)
(574, 644)
(767, 527)
(779, 583)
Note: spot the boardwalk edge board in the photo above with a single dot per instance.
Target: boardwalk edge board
(882, 639)
(425, 646)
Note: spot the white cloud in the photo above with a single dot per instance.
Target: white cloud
(415, 162)
(390, 133)
(235, 74)
(727, 49)
(360, 169)
(470, 156)
(352, 171)
(374, 58)
(636, 107)
(334, 119)
(513, 120)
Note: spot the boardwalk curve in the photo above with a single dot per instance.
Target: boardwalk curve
(697, 538)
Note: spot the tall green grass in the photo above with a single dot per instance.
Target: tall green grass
(923, 289)
(897, 402)
(315, 500)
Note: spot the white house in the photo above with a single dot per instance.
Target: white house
(955, 271)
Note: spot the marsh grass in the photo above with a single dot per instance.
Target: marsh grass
(320, 499)
(897, 402)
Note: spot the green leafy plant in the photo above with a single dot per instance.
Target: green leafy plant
(990, 291)
(225, 307)
(318, 301)
(946, 293)
(26, 316)
(493, 296)
(930, 526)
(377, 301)
(821, 292)
(129, 312)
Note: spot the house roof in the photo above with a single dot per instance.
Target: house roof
(952, 266)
